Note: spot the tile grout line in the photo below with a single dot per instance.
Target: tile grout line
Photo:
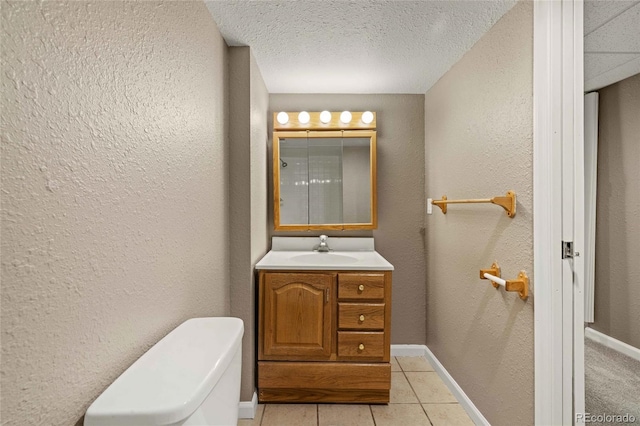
(422, 404)
(373, 418)
(431, 371)
(426, 414)
(262, 416)
(440, 403)
(404, 373)
(415, 394)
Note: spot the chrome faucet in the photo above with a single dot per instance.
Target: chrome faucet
(323, 247)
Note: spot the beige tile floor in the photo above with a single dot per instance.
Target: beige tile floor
(418, 397)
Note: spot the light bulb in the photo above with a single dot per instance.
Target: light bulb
(367, 117)
(345, 117)
(325, 117)
(304, 117)
(283, 117)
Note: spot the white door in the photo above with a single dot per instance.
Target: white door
(558, 211)
(573, 211)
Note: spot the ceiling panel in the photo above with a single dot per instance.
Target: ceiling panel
(620, 34)
(599, 12)
(596, 64)
(611, 42)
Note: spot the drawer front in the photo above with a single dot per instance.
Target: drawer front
(360, 286)
(361, 316)
(352, 344)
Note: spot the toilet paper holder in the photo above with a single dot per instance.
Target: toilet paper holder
(519, 284)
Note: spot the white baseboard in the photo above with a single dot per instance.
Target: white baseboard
(247, 409)
(612, 343)
(408, 350)
(466, 403)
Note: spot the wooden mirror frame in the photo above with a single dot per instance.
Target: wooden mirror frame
(277, 135)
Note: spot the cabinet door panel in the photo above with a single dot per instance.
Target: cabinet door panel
(298, 315)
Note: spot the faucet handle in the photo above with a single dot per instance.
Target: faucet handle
(323, 246)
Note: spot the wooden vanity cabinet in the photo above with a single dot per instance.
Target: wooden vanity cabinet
(324, 336)
(297, 316)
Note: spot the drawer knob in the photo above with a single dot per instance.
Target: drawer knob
(361, 347)
(361, 318)
(361, 287)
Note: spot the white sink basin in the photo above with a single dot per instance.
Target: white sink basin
(324, 259)
(313, 261)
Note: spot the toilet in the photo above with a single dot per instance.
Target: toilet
(190, 377)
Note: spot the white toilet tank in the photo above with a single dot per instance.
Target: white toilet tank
(190, 377)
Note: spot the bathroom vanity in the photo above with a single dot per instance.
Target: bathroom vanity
(324, 305)
(324, 322)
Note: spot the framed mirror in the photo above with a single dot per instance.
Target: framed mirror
(324, 180)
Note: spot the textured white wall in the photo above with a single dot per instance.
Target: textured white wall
(617, 301)
(400, 161)
(248, 106)
(114, 192)
(478, 144)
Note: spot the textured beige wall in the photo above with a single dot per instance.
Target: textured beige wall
(400, 153)
(478, 143)
(617, 298)
(248, 103)
(114, 192)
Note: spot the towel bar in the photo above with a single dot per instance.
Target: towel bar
(507, 202)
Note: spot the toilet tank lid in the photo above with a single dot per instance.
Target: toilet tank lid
(170, 381)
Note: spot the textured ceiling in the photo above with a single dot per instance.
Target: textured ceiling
(399, 46)
(363, 46)
(611, 42)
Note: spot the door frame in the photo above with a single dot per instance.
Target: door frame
(558, 188)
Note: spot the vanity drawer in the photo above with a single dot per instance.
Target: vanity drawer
(353, 344)
(360, 286)
(363, 316)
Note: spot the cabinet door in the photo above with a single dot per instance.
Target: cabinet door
(298, 315)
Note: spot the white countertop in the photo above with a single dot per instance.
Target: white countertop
(350, 254)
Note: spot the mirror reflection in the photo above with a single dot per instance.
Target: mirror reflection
(324, 180)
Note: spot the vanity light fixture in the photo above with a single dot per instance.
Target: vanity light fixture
(325, 117)
(304, 117)
(283, 117)
(324, 120)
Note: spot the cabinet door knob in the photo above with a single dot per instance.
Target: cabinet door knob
(361, 347)
(361, 318)
(361, 287)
